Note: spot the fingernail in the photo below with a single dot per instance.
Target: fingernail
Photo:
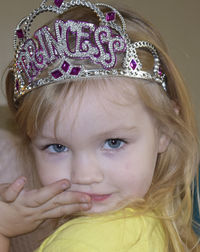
(85, 206)
(85, 199)
(20, 181)
(64, 186)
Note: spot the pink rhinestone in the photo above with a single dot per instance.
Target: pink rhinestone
(65, 66)
(56, 74)
(75, 70)
(110, 16)
(58, 3)
(160, 71)
(133, 64)
(20, 34)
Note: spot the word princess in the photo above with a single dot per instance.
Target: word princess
(77, 49)
(97, 44)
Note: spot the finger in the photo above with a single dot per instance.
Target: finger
(36, 198)
(11, 191)
(66, 210)
(66, 198)
(3, 187)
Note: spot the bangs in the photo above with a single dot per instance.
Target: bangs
(39, 104)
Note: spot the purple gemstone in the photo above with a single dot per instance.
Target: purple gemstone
(56, 74)
(20, 34)
(160, 71)
(133, 64)
(75, 71)
(58, 3)
(65, 66)
(17, 85)
(110, 16)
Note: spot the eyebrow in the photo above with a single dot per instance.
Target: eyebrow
(106, 133)
(117, 130)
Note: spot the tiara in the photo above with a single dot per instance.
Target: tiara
(100, 45)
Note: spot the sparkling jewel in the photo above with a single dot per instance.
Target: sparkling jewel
(20, 34)
(56, 74)
(160, 71)
(75, 70)
(133, 64)
(65, 66)
(58, 3)
(110, 16)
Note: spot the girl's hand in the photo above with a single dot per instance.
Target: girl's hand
(23, 211)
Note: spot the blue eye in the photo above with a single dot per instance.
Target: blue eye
(56, 148)
(114, 143)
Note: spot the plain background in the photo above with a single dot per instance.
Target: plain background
(177, 20)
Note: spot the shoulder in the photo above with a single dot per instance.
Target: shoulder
(119, 232)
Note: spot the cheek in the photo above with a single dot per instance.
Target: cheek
(141, 170)
(135, 176)
(50, 172)
(50, 176)
(139, 181)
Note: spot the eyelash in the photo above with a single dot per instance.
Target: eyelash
(47, 147)
(121, 142)
(113, 141)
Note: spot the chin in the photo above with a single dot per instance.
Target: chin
(98, 209)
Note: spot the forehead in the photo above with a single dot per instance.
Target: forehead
(111, 103)
(118, 91)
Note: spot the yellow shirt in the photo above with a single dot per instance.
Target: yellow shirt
(116, 232)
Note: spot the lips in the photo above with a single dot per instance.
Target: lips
(99, 197)
(95, 197)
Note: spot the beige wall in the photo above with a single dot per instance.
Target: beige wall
(178, 21)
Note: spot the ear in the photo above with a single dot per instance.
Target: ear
(175, 107)
(164, 141)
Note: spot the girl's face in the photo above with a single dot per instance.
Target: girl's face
(107, 150)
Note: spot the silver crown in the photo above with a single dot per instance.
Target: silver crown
(100, 45)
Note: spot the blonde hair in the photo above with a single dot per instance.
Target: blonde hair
(171, 193)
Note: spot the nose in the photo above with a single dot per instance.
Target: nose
(86, 169)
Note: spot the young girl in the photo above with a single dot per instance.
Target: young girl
(101, 104)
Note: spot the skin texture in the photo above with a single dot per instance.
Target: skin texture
(104, 149)
(30, 208)
(22, 210)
